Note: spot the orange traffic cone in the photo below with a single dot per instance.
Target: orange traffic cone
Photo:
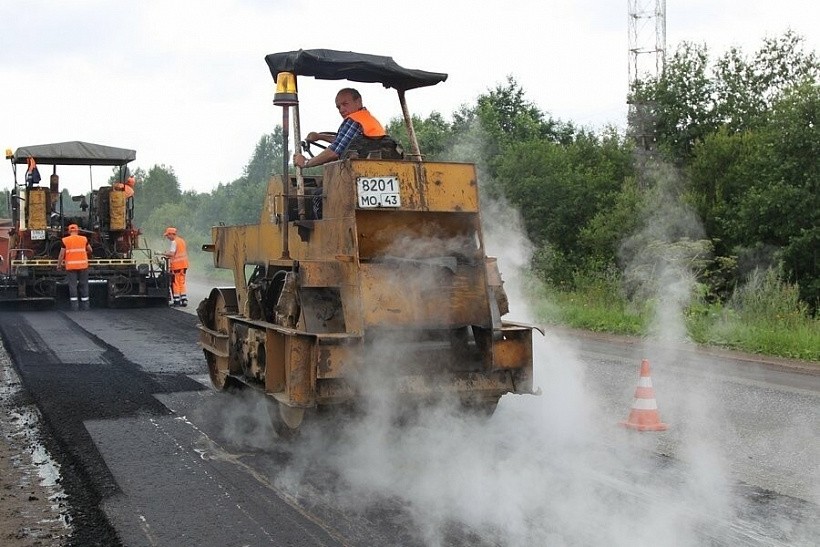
(644, 414)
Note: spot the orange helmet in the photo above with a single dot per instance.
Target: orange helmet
(130, 181)
(73, 228)
(170, 230)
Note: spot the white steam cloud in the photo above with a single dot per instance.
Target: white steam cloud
(552, 469)
(544, 470)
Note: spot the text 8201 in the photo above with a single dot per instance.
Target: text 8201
(378, 192)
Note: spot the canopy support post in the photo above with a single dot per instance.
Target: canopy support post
(411, 132)
(285, 181)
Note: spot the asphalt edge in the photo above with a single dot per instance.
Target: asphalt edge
(793, 365)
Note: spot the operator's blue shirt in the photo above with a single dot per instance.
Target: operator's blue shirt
(348, 131)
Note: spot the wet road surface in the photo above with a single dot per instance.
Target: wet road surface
(150, 455)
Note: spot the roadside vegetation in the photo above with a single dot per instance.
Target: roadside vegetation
(764, 316)
(712, 195)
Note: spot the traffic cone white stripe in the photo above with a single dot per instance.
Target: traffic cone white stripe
(645, 381)
(645, 404)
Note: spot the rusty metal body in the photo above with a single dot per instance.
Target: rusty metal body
(370, 278)
(407, 289)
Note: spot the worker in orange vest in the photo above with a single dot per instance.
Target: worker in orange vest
(177, 255)
(74, 257)
(359, 131)
(32, 173)
(127, 187)
(358, 121)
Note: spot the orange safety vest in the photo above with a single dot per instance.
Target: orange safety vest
(127, 188)
(76, 256)
(370, 125)
(180, 259)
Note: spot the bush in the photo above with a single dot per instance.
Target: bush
(765, 315)
(594, 302)
(766, 297)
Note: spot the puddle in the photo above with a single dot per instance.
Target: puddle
(20, 426)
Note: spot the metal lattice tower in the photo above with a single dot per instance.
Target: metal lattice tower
(647, 57)
(647, 39)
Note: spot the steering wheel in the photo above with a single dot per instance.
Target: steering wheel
(306, 144)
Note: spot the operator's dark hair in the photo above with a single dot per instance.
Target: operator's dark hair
(353, 93)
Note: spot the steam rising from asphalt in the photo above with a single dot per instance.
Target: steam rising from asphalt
(661, 259)
(543, 470)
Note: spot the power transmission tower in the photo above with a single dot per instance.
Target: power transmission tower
(647, 39)
(647, 56)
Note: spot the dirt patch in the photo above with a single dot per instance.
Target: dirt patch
(32, 504)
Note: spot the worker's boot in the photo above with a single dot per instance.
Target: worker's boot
(183, 302)
(85, 305)
(75, 306)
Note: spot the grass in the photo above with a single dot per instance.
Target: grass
(765, 316)
(801, 341)
(591, 309)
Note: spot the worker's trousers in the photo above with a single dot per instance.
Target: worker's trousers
(178, 288)
(77, 287)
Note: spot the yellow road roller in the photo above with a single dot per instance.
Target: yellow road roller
(368, 276)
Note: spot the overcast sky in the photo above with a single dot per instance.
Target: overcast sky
(184, 83)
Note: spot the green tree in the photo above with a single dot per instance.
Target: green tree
(561, 188)
(746, 131)
(746, 89)
(247, 193)
(502, 119)
(601, 237)
(761, 187)
(694, 97)
(158, 187)
(434, 135)
(266, 159)
(240, 201)
(168, 214)
(680, 102)
(507, 117)
(723, 168)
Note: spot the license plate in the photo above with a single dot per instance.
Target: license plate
(38, 235)
(378, 192)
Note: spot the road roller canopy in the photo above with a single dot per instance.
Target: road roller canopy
(329, 64)
(74, 153)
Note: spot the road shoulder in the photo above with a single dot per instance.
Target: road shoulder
(793, 365)
(31, 513)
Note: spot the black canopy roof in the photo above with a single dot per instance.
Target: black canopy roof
(329, 64)
(74, 153)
